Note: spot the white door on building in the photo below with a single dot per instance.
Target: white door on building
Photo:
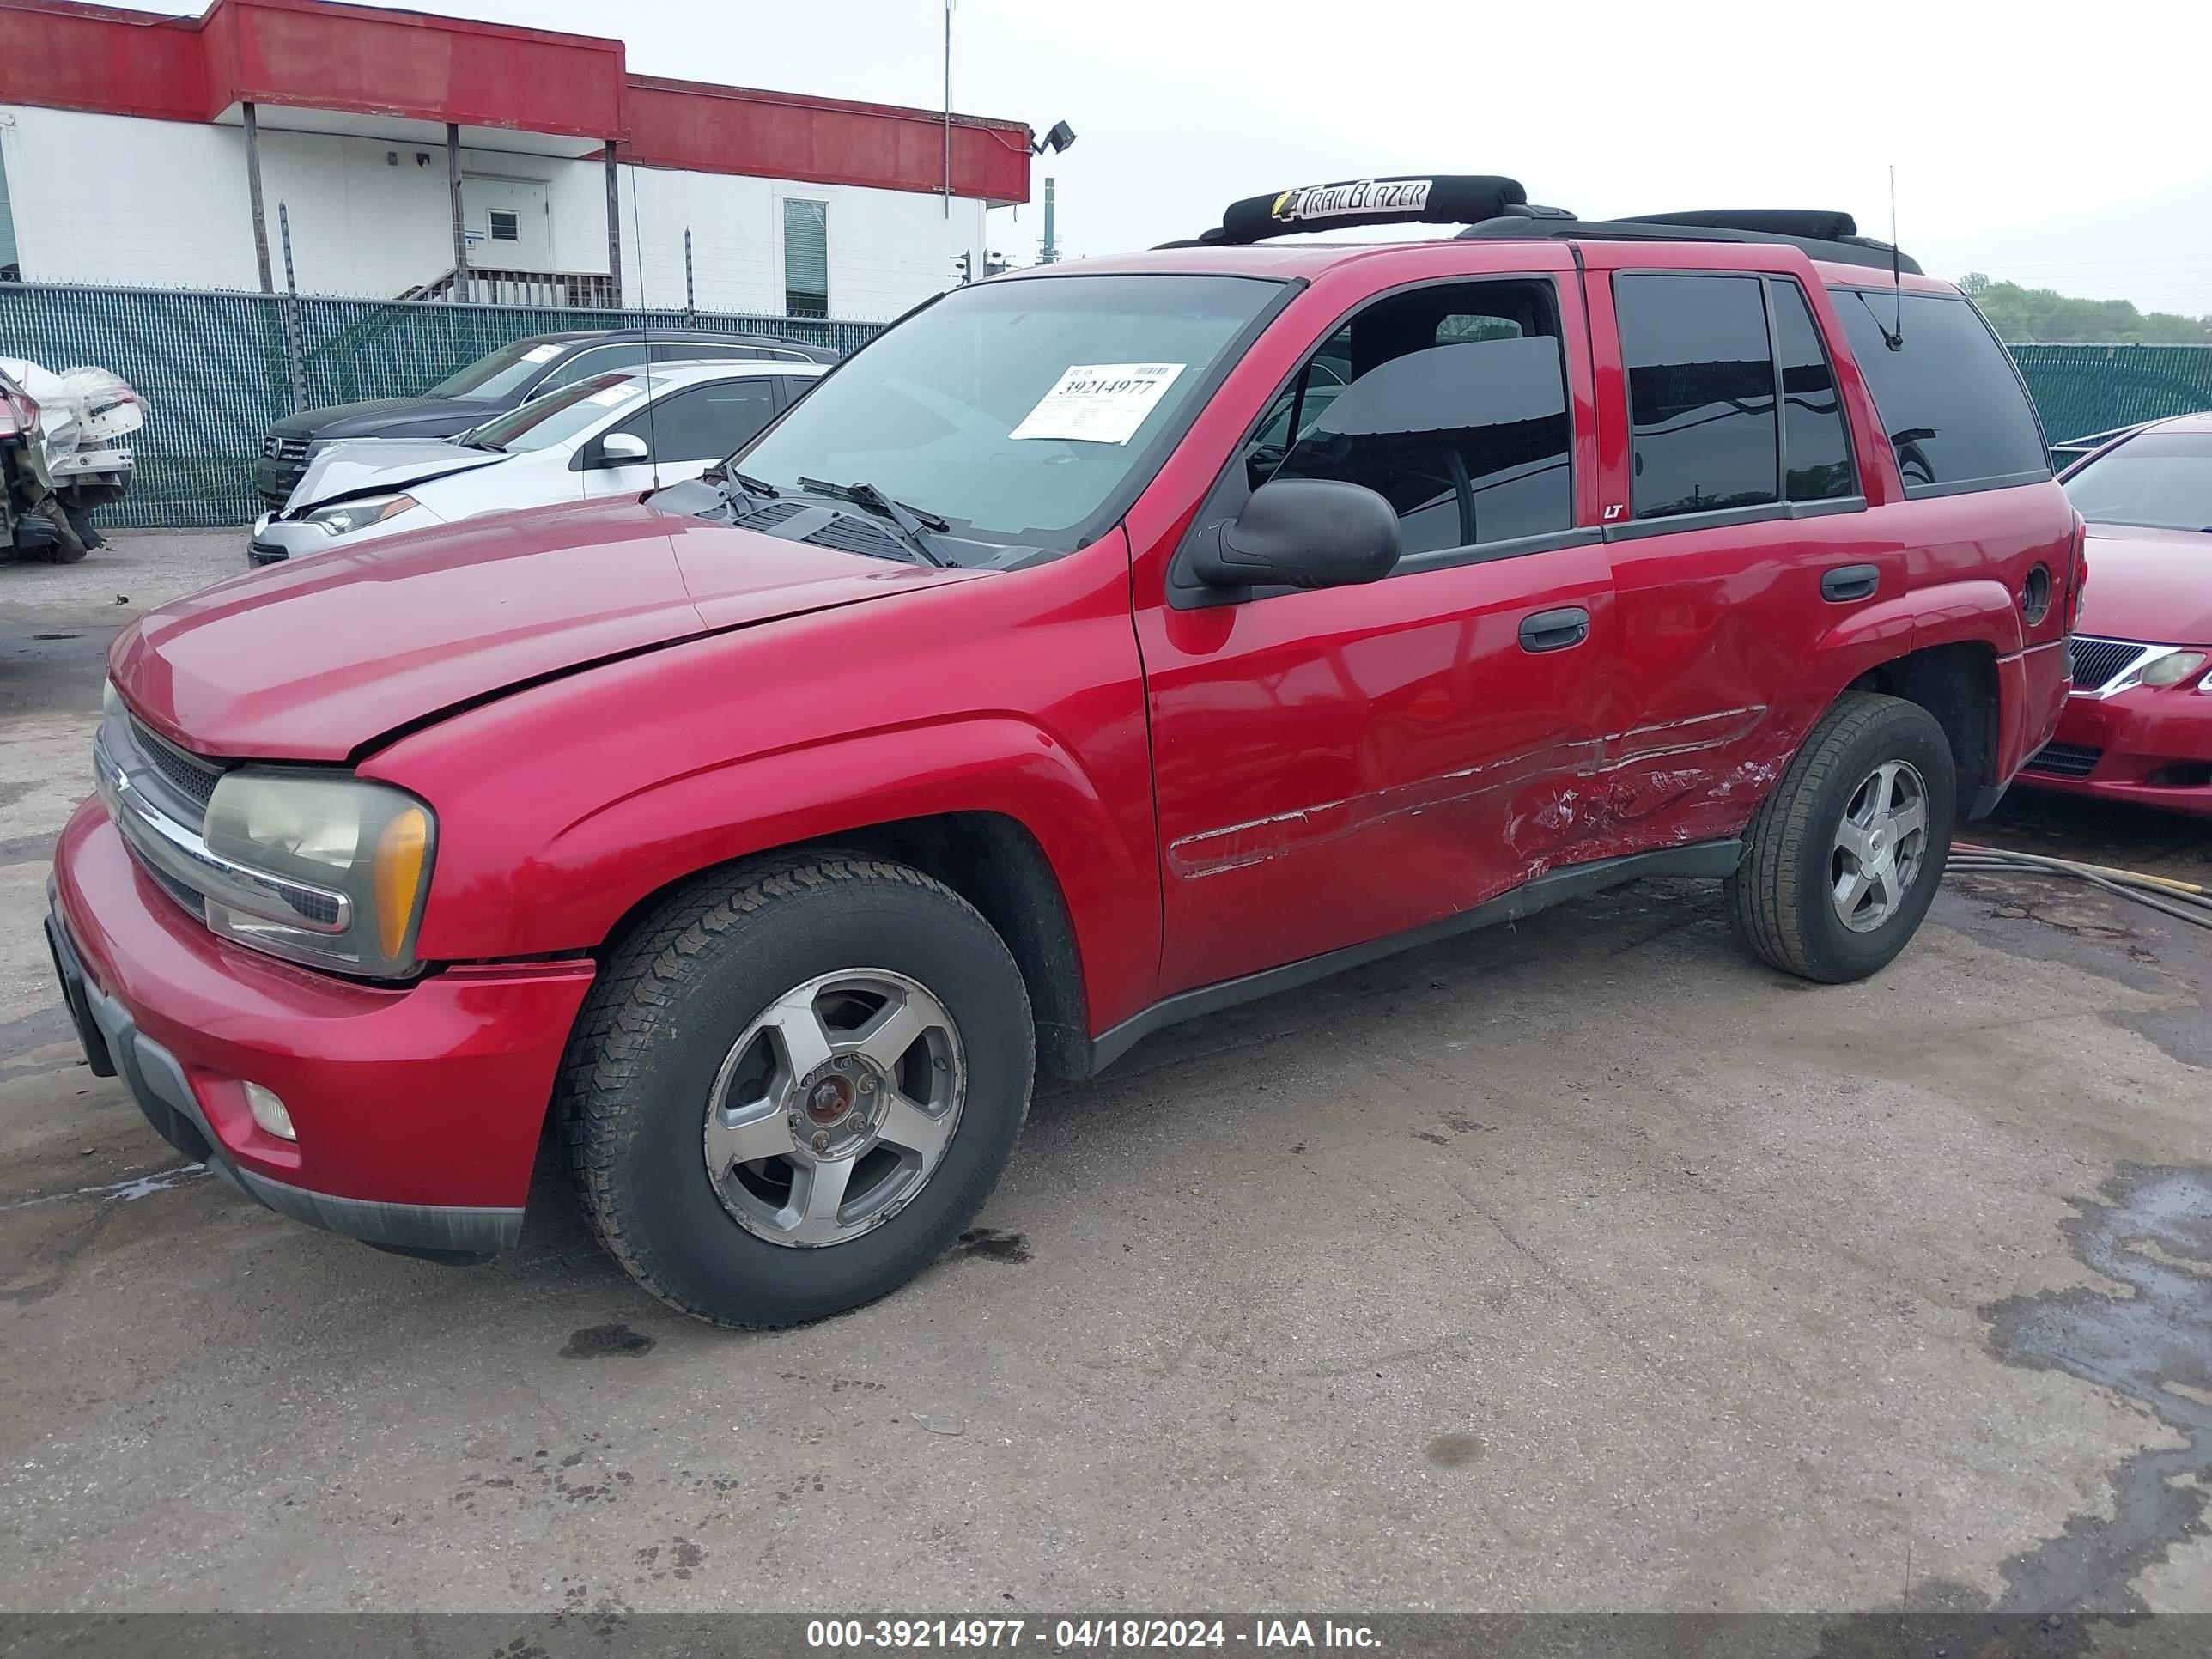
(509, 226)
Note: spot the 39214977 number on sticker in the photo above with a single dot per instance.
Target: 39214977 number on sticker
(1099, 402)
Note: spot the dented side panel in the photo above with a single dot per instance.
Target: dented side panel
(1332, 766)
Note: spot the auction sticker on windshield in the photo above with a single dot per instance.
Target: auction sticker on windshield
(1099, 402)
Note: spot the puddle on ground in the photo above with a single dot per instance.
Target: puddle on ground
(2148, 1336)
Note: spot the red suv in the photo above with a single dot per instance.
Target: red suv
(1102, 646)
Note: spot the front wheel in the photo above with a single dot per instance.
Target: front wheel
(1841, 862)
(792, 1089)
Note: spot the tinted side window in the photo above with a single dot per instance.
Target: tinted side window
(1816, 446)
(707, 422)
(598, 360)
(1450, 402)
(1948, 394)
(1700, 392)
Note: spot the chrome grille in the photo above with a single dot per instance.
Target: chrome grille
(2065, 760)
(277, 449)
(2096, 663)
(189, 775)
(191, 899)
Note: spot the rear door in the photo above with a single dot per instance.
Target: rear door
(1738, 531)
(1338, 766)
(1978, 505)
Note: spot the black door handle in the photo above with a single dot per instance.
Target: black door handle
(1847, 582)
(1555, 630)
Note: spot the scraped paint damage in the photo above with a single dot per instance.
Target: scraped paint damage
(1582, 793)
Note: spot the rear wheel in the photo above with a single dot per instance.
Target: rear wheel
(792, 1089)
(1842, 862)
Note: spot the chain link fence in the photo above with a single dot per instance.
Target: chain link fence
(216, 370)
(2085, 389)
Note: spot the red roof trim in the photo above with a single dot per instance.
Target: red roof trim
(934, 117)
(366, 60)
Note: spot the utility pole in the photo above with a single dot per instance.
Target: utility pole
(1051, 254)
(460, 288)
(614, 230)
(253, 185)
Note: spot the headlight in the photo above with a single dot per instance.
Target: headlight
(365, 847)
(347, 517)
(2171, 669)
(111, 701)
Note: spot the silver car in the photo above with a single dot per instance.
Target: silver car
(624, 432)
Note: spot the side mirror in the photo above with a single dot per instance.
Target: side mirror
(1302, 532)
(621, 448)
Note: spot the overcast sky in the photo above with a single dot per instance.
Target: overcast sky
(2060, 146)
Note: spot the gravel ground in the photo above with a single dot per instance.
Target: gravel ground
(1581, 1265)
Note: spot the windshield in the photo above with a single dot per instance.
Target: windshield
(559, 416)
(498, 374)
(1014, 410)
(2161, 479)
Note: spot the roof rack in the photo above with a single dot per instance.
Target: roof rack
(1497, 208)
(1823, 235)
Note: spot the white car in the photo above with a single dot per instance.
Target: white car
(624, 432)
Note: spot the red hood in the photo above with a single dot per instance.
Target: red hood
(314, 659)
(2150, 585)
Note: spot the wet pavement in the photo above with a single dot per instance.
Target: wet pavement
(1584, 1264)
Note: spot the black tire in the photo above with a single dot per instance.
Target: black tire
(679, 991)
(1781, 896)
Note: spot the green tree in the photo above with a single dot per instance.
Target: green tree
(2023, 316)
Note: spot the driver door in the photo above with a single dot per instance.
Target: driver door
(1337, 766)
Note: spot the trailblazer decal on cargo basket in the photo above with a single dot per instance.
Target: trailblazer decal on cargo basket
(1315, 202)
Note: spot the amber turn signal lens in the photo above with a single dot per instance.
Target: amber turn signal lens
(400, 850)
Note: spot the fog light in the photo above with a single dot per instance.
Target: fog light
(268, 1112)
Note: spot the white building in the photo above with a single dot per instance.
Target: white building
(399, 147)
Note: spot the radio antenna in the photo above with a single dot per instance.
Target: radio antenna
(1895, 339)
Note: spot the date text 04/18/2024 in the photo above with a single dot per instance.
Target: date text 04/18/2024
(1086, 1633)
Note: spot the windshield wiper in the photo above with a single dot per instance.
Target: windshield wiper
(914, 523)
(725, 480)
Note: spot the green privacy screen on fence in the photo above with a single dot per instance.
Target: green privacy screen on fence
(216, 372)
(2085, 389)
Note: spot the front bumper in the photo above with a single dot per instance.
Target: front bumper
(418, 1108)
(2151, 745)
(273, 541)
(276, 477)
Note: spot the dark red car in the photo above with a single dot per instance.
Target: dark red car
(1102, 646)
(2138, 726)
